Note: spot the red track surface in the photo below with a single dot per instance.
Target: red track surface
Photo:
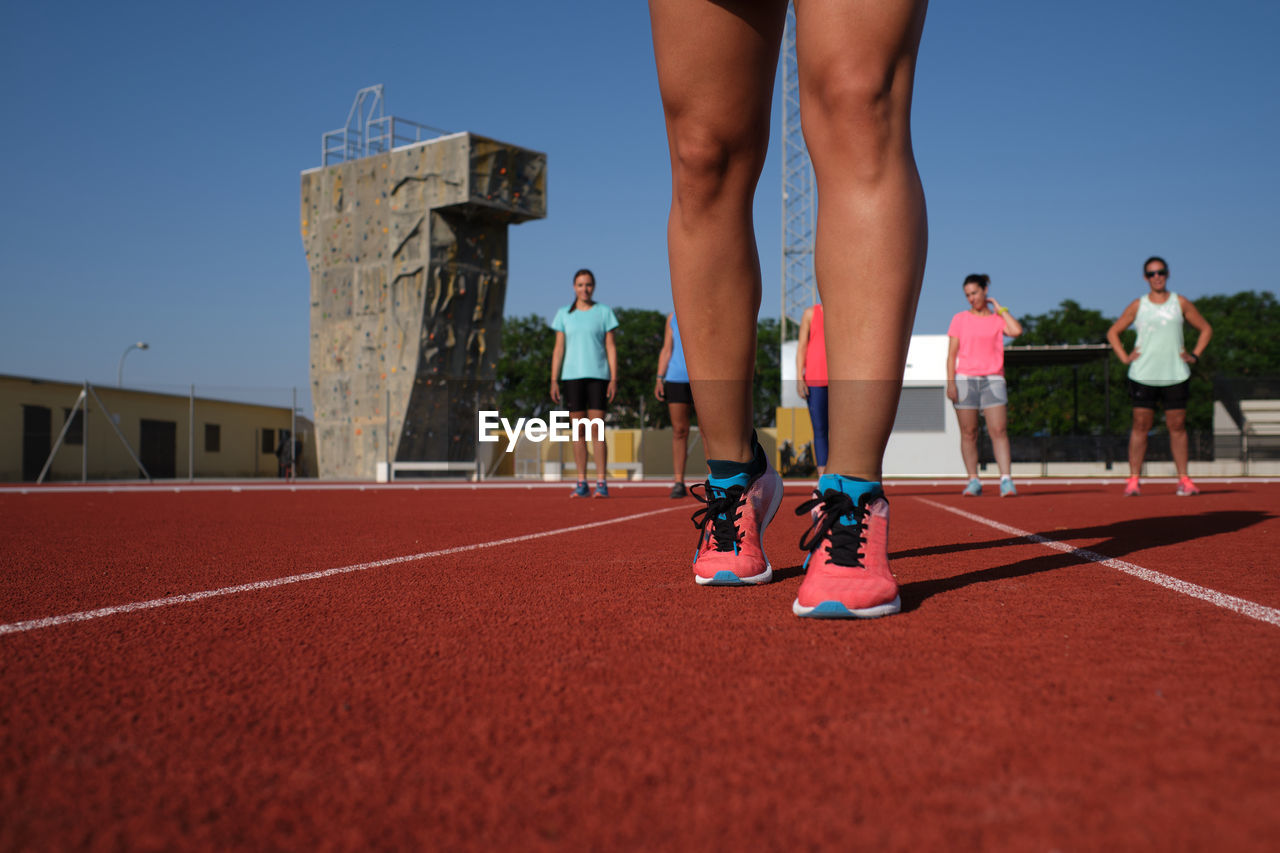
(578, 691)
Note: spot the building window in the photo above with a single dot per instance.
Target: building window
(268, 440)
(212, 438)
(75, 432)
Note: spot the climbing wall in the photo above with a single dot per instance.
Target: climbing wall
(408, 259)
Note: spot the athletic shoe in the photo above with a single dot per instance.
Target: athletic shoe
(602, 490)
(731, 528)
(1007, 489)
(848, 564)
(1186, 488)
(973, 489)
(581, 491)
(678, 491)
(1131, 488)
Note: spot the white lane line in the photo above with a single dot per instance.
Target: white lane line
(1242, 606)
(186, 598)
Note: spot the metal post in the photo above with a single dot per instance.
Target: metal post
(293, 436)
(191, 435)
(1075, 399)
(84, 437)
(106, 413)
(386, 437)
(48, 463)
(1106, 384)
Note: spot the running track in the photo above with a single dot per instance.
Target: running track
(501, 668)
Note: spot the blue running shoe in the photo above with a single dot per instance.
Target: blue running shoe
(582, 491)
(973, 489)
(602, 490)
(1006, 488)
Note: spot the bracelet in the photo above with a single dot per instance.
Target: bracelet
(661, 378)
(1194, 357)
(1002, 311)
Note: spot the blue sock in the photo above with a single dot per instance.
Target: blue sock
(726, 473)
(854, 487)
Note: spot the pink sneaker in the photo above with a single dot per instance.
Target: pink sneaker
(1131, 488)
(731, 529)
(848, 563)
(1186, 488)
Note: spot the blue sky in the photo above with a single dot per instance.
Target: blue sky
(155, 149)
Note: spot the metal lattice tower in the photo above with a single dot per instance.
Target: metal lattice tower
(799, 289)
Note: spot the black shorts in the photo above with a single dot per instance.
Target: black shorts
(678, 392)
(584, 395)
(1149, 396)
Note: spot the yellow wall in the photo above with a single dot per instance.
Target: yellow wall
(794, 426)
(241, 424)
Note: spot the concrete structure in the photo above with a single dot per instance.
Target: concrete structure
(408, 257)
(231, 440)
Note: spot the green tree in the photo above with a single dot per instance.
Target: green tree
(1246, 334)
(768, 387)
(1044, 399)
(1245, 345)
(639, 338)
(524, 368)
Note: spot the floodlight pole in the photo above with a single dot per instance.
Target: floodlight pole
(120, 369)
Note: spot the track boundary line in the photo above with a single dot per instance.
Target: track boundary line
(270, 485)
(189, 597)
(1244, 607)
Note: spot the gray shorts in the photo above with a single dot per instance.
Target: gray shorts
(981, 392)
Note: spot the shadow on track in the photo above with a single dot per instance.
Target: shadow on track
(1121, 537)
(1118, 540)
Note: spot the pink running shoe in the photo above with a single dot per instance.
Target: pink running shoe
(1186, 488)
(1131, 488)
(731, 529)
(848, 563)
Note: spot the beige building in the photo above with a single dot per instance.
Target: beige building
(173, 436)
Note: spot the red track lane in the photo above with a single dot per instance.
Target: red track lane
(579, 691)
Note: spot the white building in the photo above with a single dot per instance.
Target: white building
(926, 435)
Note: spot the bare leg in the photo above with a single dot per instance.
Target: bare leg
(1176, 421)
(997, 418)
(601, 450)
(857, 67)
(679, 437)
(580, 445)
(969, 440)
(716, 64)
(1142, 421)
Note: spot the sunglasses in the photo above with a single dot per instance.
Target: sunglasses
(1154, 273)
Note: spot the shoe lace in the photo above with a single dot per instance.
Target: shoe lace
(721, 513)
(844, 541)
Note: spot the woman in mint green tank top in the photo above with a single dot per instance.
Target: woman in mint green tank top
(1159, 368)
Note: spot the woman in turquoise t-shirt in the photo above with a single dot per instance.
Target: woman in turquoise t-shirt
(584, 372)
